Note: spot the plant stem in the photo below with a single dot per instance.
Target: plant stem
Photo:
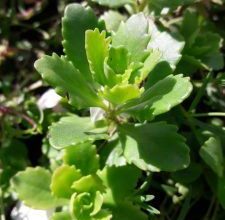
(200, 92)
(191, 124)
(209, 114)
(210, 209)
(185, 208)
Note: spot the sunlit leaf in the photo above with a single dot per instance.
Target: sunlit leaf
(83, 156)
(75, 22)
(62, 180)
(33, 188)
(73, 130)
(97, 49)
(211, 152)
(134, 41)
(61, 74)
(160, 98)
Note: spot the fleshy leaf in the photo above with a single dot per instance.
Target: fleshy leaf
(128, 211)
(73, 130)
(112, 20)
(114, 3)
(118, 59)
(85, 205)
(61, 74)
(133, 35)
(148, 145)
(120, 94)
(61, 216)
(33, 188)
(120, 182)
(62, 180)
(211, 152)
(97, 49)
(90, 183)
(75, 22)
(83, 156)
(169, 47)
(160, 98)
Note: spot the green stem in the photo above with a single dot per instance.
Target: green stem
(209, 114)
(185, 208)
(191, 124)
(200, 92)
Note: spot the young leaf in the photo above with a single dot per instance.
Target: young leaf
(148, 145)
(90, 183)
(61, 73)
(97, 49)
(133, 35)
(62, 180)
(112, 20)
(73, 130)
(33, 188)
(75, 22)
(160, 98)
(211, 152)
(83, 156)
(120, 94)
(86, 205)
(118, 59)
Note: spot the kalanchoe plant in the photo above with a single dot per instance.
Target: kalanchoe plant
(125, 79)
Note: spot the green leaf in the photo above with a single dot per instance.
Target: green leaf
(120, 182)
(112, 20)
(62, 180)
(73, 130)
(33, 188)
(120, 94)
(112, 153)
(211, 152)
(188, 175)
(90, 183)
(86, 205)
(148, 145)
(128, 211)
(159, 98)
(133, 35)
(97, 49)
(221, 191)
(61, 216)
(61, 74)
(114, 3)
(75, 22)
(118, 59)
(169, 47)
(83, 156)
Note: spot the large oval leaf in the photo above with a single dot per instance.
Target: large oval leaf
(155, 147)
(73, 130)
(33, 187)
